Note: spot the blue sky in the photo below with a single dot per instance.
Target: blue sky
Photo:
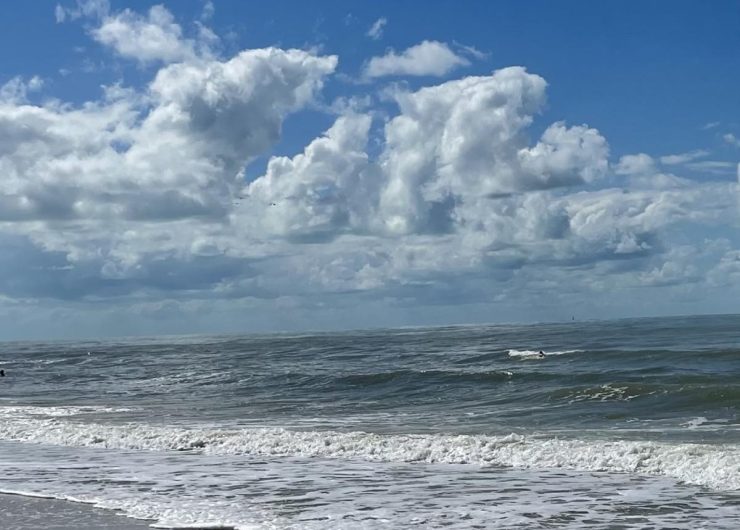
(235, 166)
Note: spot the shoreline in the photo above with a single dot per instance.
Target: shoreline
(25, 512)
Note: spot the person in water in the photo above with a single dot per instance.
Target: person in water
(541, 355)
(2, 373)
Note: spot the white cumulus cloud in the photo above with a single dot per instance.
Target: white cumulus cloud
(156, 37)
(175, 153)
(464, 140)
(326, 191)
(430, 58)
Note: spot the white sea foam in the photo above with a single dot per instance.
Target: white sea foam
(535, 354)
(31, 361)
(22, 411)
(180, 490)
(714, 466)
(607, 392)
(701, 422)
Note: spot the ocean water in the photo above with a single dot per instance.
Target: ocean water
(623, 424)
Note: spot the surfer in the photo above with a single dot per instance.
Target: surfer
(541, 355)
(2, 373)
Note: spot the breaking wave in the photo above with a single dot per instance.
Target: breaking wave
(531, 354)
(713, 466)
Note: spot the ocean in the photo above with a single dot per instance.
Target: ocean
(623, 424)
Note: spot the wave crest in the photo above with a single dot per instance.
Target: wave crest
(714, 466)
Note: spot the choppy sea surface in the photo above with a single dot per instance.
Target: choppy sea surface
(623, 424)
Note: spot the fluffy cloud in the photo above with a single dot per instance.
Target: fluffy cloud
(449, 150)
(464, 141)
(457, 214)
(131, 193)
(639, 164)
(153, 38)
(644, 172)
(232, 111)
(175, 152)
(323, 192)
(427, 58)
(16, 90)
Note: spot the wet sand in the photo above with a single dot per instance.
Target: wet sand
(31, 513)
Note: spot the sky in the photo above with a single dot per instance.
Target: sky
(231, 167)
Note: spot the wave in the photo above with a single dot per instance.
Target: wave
(535, 354)
(609, 392)
(713, 466)
(401, 375)
(683, 394)
(23, 411)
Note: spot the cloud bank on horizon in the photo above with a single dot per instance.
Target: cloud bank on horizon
(135, 212)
